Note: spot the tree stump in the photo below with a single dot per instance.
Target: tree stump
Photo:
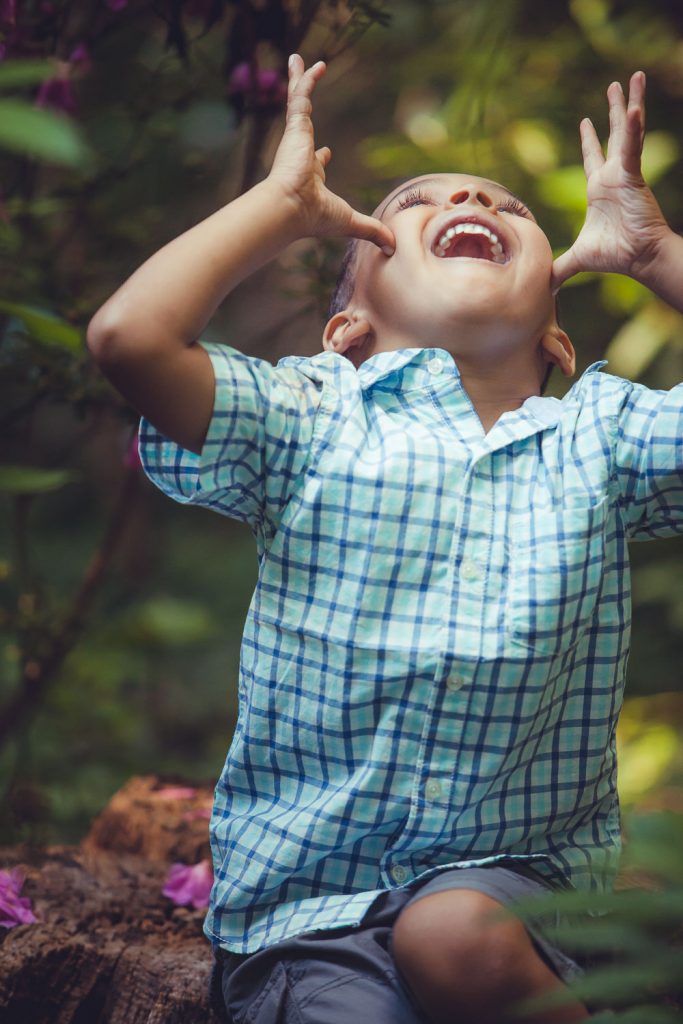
(108, 946)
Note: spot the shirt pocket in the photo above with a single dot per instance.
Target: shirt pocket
(556, 569)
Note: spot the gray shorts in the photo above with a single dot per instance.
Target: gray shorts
(348, 975)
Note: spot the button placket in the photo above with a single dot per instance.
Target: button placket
(433, 789)
(399, 873)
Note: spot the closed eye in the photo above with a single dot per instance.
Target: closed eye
(514, 206)
(412, 197)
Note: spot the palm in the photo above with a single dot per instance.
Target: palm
(623, 220)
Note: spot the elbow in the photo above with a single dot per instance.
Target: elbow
(101, 340)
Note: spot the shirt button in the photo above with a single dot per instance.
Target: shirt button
(435, 365)
(470, 571)
(399, 873)
(432, 789)
(455, 683)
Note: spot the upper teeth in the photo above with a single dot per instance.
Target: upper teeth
(470, 229)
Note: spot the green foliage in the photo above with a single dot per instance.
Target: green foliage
(39, 133)
(33, 480)
(155, 142)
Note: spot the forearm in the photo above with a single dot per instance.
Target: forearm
(169, 300)
(664, 273)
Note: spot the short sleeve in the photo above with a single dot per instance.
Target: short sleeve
(257, 443)
(649, 457)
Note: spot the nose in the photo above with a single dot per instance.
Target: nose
(467, 193)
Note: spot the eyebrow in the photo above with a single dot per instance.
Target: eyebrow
(432, 181)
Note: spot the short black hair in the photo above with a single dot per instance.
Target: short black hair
(343, 291)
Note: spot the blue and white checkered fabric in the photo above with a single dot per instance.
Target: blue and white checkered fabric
(433, 660)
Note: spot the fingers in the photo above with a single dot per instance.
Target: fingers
(590, 147)
(372, 230)
(564, 267)
(299, 90)
(635, 124)
(627, 123)
(617, 119)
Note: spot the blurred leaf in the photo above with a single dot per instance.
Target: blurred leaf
(638, 906)
(33, 480)
(39, 133)
(45, 327)
(638, 343)
(621, 294)
(534, 145)
(645, 762)
(655, 843)
(564, 189)
(660, 152)
(17, 73)
(172, 622)
(614, 984)
(600, 936)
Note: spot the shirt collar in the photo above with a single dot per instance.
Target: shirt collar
(429, 364)
(420, 366)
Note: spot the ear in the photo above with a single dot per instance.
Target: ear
(557, 348)
(348, 330)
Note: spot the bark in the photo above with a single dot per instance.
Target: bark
(108, 946)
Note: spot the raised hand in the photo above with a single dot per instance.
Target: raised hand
(624, 227)
(299, 169)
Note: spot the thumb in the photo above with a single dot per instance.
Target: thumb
(372, 230)
(564, 267)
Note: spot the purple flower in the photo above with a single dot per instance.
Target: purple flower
(80, 58)
(57, 93)
(187, 883)
(14, 909)
(267, 89)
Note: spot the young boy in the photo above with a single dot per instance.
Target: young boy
(433, 660)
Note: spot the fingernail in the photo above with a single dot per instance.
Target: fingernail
(291, 60)
(387, 250)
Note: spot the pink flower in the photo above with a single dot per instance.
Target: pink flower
(186, 883)
(173, 792)
(198, 812)
(14, 909)
(131, 460)
(268, 89)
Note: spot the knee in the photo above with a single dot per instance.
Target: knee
(449, 943)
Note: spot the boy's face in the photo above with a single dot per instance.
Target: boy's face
(489, 282)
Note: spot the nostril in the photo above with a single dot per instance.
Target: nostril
(484, 199)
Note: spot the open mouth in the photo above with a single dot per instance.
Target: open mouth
(470, 240)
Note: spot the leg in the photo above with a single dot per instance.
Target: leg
(465, 969)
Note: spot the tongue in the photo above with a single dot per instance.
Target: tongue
(474, 246)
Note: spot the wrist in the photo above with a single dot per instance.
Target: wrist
(288, 211)
(661, 255)
(663, 272)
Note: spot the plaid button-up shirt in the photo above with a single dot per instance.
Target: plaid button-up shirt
(433, 660)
